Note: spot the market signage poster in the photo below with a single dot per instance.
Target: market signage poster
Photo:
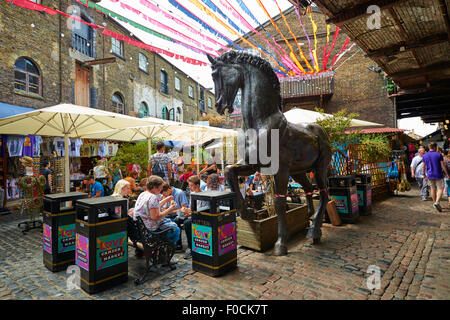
(111, 250)
(355, 207)
(341, 203)
(82, 252)
(66, 238)
(47, 238)
(227, 238)
(202, 239)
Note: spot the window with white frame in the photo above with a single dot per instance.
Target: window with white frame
(177, 84)
(116, 46)
(209, 103)
(143, 62)
(191, 92)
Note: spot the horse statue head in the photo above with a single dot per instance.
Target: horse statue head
(234, 70)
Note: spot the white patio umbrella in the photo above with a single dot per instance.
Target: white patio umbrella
(297, 115)
(68, 121)
(166, 130)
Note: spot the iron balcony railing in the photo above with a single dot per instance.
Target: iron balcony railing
(82, 45)
(307, 85)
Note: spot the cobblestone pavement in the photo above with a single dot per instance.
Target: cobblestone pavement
(405, 237)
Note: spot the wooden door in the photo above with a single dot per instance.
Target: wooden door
(82, 86)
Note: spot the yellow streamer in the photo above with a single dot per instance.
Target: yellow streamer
(287, 42)
(315, 42)
(295, 39)
(209, 13)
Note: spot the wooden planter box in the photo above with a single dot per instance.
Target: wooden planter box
(262, 234)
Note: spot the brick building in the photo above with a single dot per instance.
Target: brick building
(356, 85)
(49, 59)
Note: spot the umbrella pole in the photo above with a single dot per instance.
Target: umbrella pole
(66, 164)
(198, 153)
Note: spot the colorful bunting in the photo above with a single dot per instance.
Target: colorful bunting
(292, 54)
(294, 37)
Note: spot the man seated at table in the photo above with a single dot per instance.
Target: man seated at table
(181, 211)
(95, 188)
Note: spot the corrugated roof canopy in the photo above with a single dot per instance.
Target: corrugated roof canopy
(411, 43)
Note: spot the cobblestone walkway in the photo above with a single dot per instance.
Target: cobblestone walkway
(405, 237)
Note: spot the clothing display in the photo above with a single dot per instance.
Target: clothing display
(58, 142)
(74, 149)
(102, 150)
(15, 145)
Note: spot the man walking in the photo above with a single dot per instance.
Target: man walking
(433, 166)
(159, 164)
(416, 172)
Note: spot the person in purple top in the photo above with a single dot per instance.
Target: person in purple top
(433, 169)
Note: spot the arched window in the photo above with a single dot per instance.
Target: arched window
(27, 76)
(172, 114)
(118, 105)
(178, 116)
(143, 110)
(164, 113)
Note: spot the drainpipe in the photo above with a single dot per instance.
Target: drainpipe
(59, 52)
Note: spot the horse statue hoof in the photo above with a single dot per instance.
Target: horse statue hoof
(280, 250)
(316, 240)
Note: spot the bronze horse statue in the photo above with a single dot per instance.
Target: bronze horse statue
(302, 148)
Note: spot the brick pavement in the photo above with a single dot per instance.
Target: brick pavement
(405, 237)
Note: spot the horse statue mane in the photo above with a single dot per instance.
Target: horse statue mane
(244, 57)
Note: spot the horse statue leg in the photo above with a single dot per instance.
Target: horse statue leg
(232, 172)
(307, 187)
(281, 180)
(321, 178)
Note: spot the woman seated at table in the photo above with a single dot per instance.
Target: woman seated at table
(121, 190)
(212, 183)
(148, 207)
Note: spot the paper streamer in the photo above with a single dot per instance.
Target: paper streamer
(157, 9)
(294, 37)
(343, 53)
(189, 14)
(205, 49)
(292, 54)
(336, 34)
(38, 7)
(211, 5)
(209, 13)
(306, 34)
(247, 11)
(346, 60)
(316, 62)
(342, 49)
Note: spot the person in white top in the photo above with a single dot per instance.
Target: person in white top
(416, 172)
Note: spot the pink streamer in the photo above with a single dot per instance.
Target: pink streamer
(342, 49)
(306, 34)
(204, 49)
(181, 23)
(336, 33)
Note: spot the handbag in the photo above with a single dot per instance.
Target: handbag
(393, 171)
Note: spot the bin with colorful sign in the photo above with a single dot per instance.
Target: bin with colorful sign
(342, 189)
(214, 243)
(58, 236)
(364, 189)
(101, 243)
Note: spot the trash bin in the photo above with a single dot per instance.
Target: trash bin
(101, 242)
(364, 190)
(58, 238)
(342, 189)
(214, 243)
